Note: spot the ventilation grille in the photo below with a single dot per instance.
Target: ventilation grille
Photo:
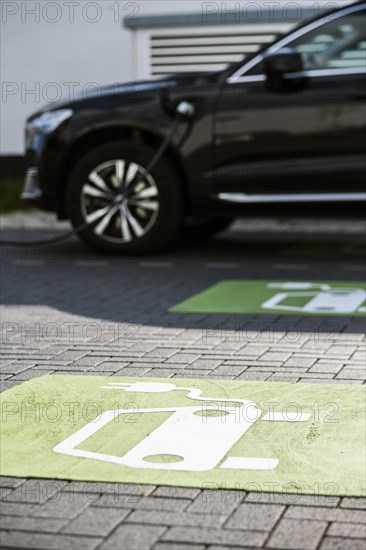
(197, 49)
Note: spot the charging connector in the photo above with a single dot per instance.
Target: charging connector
(184, 109)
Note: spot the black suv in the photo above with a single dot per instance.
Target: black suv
(282, 133)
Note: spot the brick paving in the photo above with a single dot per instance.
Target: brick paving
(66, 310)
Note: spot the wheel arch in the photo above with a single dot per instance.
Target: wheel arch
(80, 147)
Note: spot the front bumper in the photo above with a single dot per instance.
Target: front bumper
(32, 192)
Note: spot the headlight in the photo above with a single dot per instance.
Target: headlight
(49, 121)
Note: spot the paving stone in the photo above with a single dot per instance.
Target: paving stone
(67, 368)
(4, 491)
(69, 355)
(359, 355)
(231, 370)
(67, 505)
(31, 373)
(219, 547)
(115, 489)
(254, 376)
(143, 346)
(42, 525)
(216, 547)
(36, 491)
(318, 347)
(191, 373)
(253, 349)
(275, 356)
(12, 482)
(332, 368)
(176, 492)
(130, 537)
(325, 376)
(164, 353)
(133, 370)
(349, 502)
(117, 501)
(355, 365)
(293, 533)
(159, 503)
(292, 499)
(352, 530)
(304, 362)
(215, 536)
(255, 364)
(206, 364)
(160, 373)
(334, 543)
(259, 518)
(17, 509)
(40, 541)
(222, 357)
(15, 368)
(185, 358)
(176, 518)
(216, 502)
(88, 361)
(178, 546)
(108, 366)
(95, 521)
(276, 377)
(327, 514)
(136, 359)
(351, 374)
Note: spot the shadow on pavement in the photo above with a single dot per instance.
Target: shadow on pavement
(139, 290)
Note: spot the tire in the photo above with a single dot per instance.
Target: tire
(201, 229)
(131, 211)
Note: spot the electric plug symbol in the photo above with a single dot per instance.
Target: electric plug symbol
(190, 439)
(299, 286)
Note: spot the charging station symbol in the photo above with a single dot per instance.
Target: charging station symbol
(319, 298)
(190, 439)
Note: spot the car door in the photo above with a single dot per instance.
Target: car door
(309, 141)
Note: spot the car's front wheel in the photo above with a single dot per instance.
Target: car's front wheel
(129, 210)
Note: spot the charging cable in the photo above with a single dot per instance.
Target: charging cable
(185, 109)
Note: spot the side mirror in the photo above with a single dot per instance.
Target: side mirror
(283, 61)
(278, 67)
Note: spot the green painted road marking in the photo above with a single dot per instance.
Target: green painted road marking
(259, 436)
(279, 297)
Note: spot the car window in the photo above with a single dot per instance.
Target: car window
(338, 44)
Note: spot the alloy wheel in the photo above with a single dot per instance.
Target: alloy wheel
(121, 200)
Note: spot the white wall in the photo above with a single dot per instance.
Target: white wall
(50, 48)
(39, 58)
